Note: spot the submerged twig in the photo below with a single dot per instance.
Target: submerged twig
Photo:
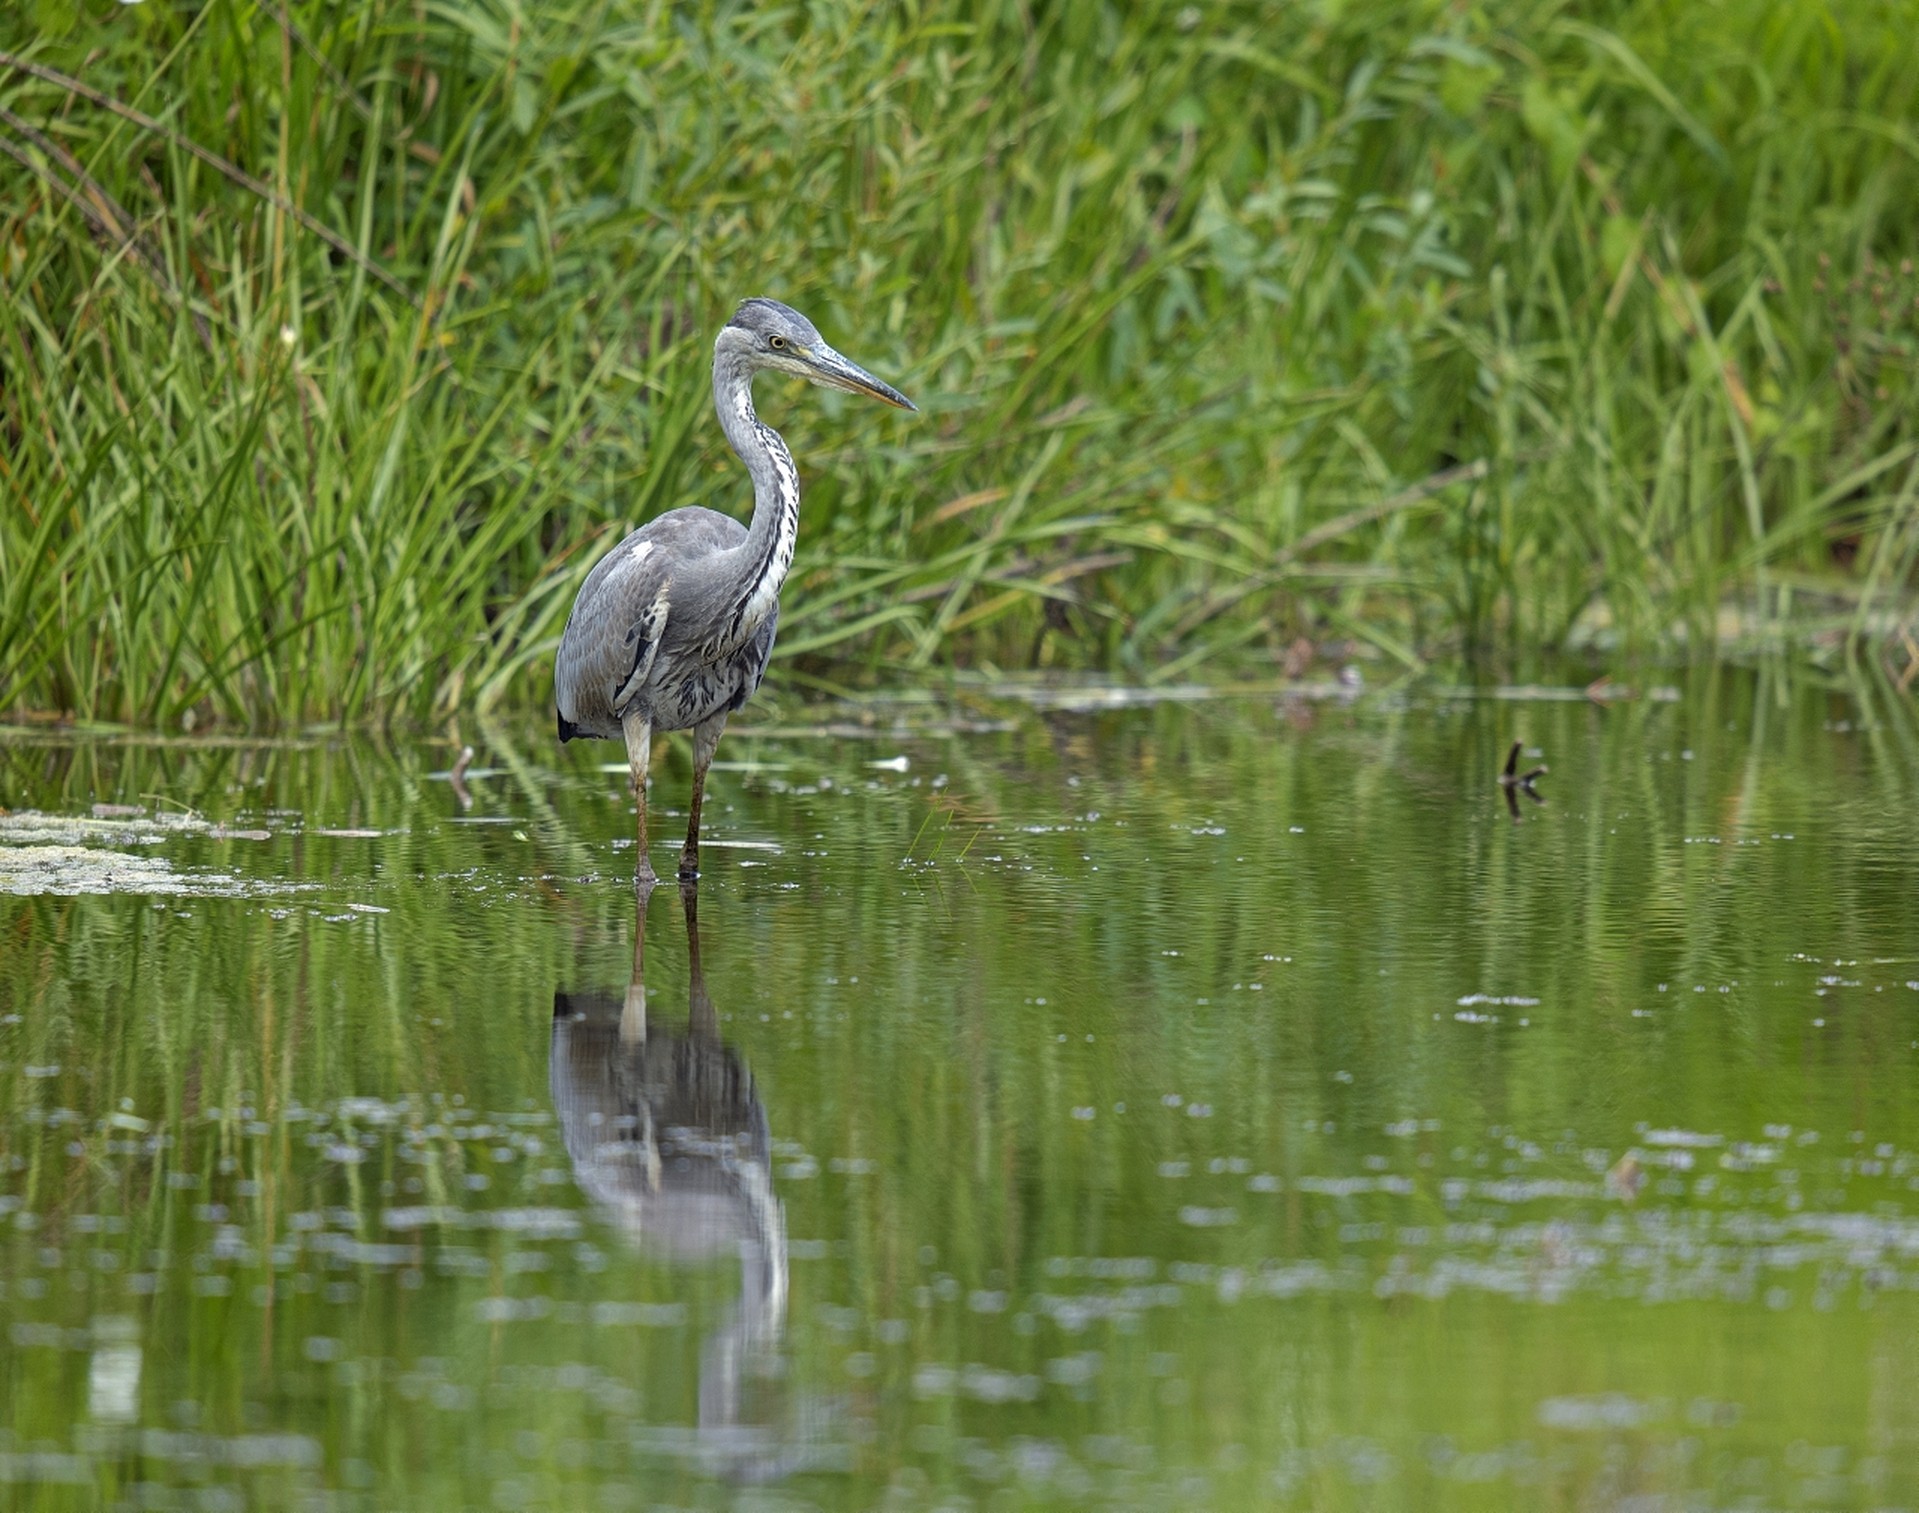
(1513, 782)
(457, 777)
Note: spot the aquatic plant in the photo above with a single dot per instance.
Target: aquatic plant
(337, 344)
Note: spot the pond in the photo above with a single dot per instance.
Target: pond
(1048, 1099)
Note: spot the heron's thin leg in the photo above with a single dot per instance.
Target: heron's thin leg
(639, 751)
(706, 740)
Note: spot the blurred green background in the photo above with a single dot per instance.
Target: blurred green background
(1431, 330)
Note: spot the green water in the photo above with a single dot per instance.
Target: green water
(1209, 1105)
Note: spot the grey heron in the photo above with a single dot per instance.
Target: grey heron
(673, 628)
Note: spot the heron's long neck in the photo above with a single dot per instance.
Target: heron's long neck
(762, 560)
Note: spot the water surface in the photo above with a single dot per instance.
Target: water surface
(1220, 1103)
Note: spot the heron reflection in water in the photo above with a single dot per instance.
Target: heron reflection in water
(667, 1134)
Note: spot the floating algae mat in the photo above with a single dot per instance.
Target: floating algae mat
(1090, 1102)
(94, 853)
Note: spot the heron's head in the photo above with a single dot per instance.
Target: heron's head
(766, 336)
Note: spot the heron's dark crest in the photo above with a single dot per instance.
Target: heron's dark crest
(767, 316)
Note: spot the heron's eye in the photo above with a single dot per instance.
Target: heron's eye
(777, 343)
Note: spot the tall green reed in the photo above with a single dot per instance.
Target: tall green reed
(1398, 325)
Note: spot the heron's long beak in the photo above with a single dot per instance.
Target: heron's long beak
(837, 372)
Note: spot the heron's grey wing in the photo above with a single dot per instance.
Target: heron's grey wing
(613, 635)
(694, 542)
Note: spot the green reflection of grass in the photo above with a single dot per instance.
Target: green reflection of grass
(1420, 326)
(1011, 1300)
